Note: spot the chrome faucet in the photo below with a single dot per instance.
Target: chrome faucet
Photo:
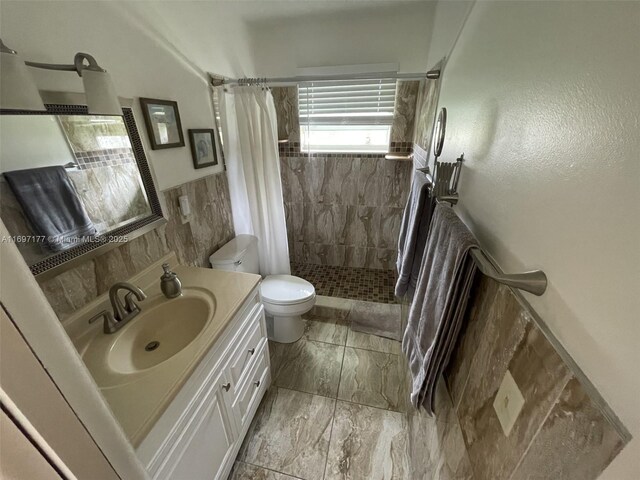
(122, 312)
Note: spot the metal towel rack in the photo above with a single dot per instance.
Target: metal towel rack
(443, 184)
(445, 189)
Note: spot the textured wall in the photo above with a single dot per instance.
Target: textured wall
(561, 433)
(207, 228)
(448, 20)
(552, 178)
(44, 31)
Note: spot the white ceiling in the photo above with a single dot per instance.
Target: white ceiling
(273, 38)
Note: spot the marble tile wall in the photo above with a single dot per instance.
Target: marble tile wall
(286, 103)
(95, 134)
(193, 239)
(425, 112)
(404, 113)
(561, 432)
(112, 195)
(344, 209)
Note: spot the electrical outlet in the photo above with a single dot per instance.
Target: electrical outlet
(508, 403)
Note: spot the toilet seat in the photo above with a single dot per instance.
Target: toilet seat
(285, 290)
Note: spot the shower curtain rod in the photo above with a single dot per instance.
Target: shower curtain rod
(217, 80)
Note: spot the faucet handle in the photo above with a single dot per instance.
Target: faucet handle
(98, 316)
(110, 324)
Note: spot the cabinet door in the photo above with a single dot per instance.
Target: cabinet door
(207, 442)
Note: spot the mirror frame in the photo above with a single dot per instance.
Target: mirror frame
(62, 261)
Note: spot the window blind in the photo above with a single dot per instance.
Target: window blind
(347, 102)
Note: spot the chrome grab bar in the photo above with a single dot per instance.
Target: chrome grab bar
(533, 282)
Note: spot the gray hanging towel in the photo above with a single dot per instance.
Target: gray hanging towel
(52, 206)
(439, 303)
(413, 234)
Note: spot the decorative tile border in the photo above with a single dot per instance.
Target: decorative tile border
(107, 157)
(401, 147)
(292, 149)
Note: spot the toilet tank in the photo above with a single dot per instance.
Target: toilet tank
(237, 255)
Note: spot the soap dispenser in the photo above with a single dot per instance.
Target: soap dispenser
(170, 283)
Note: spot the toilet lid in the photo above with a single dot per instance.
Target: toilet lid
(286, 290)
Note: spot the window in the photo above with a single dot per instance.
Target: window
(346, 115)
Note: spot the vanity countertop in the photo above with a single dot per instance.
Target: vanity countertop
(139, 399)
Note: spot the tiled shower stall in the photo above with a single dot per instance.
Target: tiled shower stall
(344, 211)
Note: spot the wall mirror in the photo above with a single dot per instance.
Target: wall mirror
(73, 185)
(439, 131)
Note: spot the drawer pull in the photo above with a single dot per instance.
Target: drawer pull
(226, 386)
(257, 383)
(252, 351)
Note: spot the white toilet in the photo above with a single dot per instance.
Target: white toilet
(285, 297)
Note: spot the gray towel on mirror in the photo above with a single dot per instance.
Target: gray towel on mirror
(413, 235)
(52, 205)
(439, 303)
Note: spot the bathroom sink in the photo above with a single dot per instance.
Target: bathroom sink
(158, 333)
(163, 329)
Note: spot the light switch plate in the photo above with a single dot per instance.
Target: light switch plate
(508, 403)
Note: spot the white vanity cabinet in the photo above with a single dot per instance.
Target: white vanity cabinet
(200, 433)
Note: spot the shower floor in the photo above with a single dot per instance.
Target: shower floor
(347, 282)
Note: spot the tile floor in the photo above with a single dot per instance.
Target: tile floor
(347, 282)
(334, 410)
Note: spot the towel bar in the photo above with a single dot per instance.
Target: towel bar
(397, 156)
(533, 282)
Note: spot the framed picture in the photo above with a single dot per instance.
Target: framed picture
(203, 147)
(163, 123)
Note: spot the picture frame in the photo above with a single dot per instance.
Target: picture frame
(162, 119)
(203, 147)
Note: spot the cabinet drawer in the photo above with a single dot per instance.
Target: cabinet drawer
(243, 356)
(251, 391)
